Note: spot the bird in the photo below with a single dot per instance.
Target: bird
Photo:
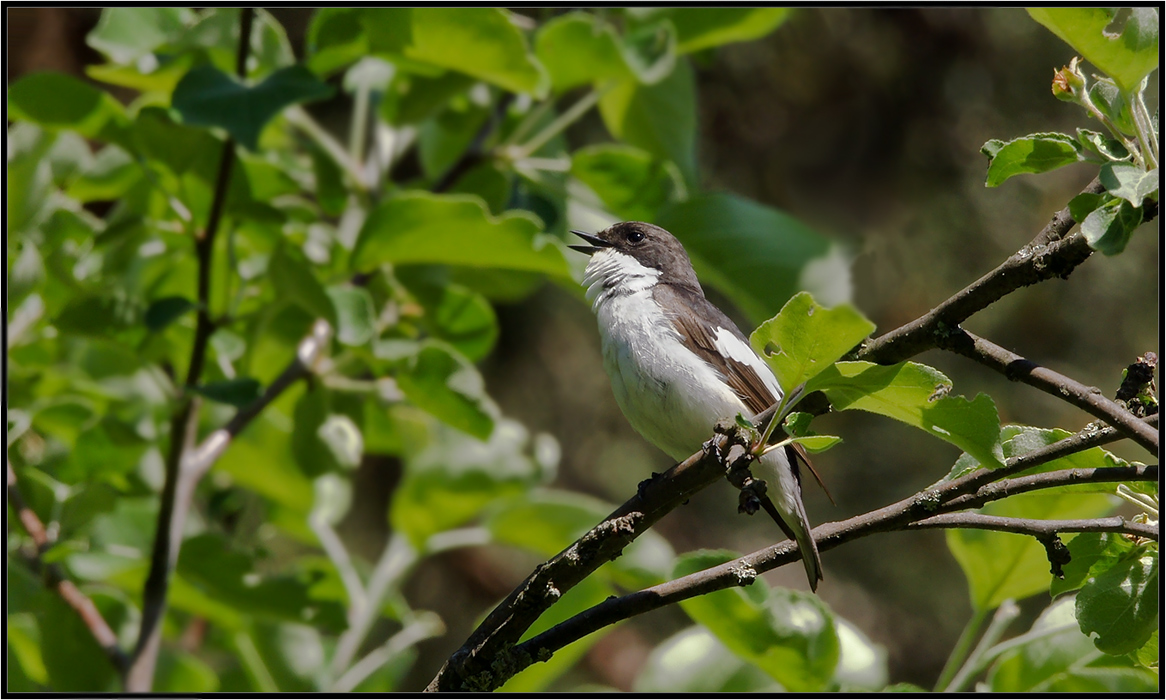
(678, 364)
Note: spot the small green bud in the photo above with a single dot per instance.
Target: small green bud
(1069, 83)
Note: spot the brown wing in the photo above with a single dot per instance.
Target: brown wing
(740, 377)
(701, 337)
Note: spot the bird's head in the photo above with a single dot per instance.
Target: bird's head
(633, 242)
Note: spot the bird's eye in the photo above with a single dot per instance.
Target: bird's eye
(635, 236)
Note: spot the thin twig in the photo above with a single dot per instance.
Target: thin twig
(1033, 527)
(396, 561)
(426, 626)
(140, 676)
(1018, 368)
(56, 579)
(1004, 616)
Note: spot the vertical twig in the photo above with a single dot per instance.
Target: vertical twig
(184, 424)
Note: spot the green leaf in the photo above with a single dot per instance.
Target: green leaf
(260, 459)
(579, 48)
(695, 661)
(455, 476)
(816, 443)
(459, 316)
(478, 41)
(916, 395)
(294, 280)
(649, 50)
(547, 522)
(233, 392)
(330, 189)
(789, 634)
(1129, 182)
(631, 183)
(1092, 553)
(1035, 153)
(1107, 147)
(1110, 101)
(447, 386)
(804, 338)
(163, 312)
(59, 101)
(659, 118)
(73, 659)
(311, 454)
(210, 565)
(126, 34)
(757, 256)
(1001, 565)
(417, 227)
(184, 673)
(700, 28)
(99, 315)
(1120, 604)
(206, 96)
(1059, 658)
(355, 315)
(1084, 204)
(1148, 655)
(1108, 227)
(1127, 53)
(862, 664)
(109, 177)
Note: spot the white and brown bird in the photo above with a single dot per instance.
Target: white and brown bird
(677, 364)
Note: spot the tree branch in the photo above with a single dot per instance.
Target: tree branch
(906, 514)
(184, 423)
(471, 666)
(1087, 398)
(1035, 528)
(56, 579)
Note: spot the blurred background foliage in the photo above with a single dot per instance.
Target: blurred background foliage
(464, 429)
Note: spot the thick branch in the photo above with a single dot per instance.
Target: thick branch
(906, 514)
(56, 579)
(470, 667)
(1019, 369)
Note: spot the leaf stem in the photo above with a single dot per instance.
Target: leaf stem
(979, 658)
(299, 118)
(573, 114)
(962, 647)
(1145, 129)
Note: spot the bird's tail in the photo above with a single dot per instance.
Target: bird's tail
(786, 493)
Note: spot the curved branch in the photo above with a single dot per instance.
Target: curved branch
(1087, 398)
(472, 666)
(905, 514)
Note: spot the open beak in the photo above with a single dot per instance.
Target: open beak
(595, 241)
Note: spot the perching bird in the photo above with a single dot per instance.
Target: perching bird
(677, 363)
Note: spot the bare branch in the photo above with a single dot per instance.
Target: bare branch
(1018, 368)
(56, 579)
(906, 514)
(470, 666)
(1035, 528)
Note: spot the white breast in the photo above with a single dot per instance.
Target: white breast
(668, 394)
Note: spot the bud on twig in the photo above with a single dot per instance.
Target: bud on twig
(1069, 83)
